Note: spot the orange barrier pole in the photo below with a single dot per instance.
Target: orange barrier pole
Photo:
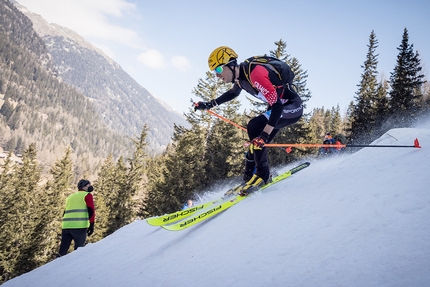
(289, 146)
(305, 145)
(416, 145)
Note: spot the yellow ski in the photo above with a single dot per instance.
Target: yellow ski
(179, 215)
(192, 220)
(217, 208)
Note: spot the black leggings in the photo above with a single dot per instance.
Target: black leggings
(79, 235)
(291, 114)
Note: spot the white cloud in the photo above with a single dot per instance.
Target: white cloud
(181, 63)
(152, 58)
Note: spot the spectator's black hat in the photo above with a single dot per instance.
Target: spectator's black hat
(82, 183)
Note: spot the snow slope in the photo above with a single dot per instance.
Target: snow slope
(361, 219)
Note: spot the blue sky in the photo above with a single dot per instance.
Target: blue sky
(164, 44)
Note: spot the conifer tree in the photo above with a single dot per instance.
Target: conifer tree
(406, 82)
(103, 187)
(20, 234)
(7, 179)
(6, 109)
(118, 200)
(127, 181)
(54, 198)
(224, 142)
(298, 132)
(152, 202)
(224, 150)
(364, 121)
(381, 109)
(425, 101)
(349, 118)
(336, 126)
(183, 172)
(137, 172)
(124, 180)
(327, 121)
(317, 125)
(323, 121)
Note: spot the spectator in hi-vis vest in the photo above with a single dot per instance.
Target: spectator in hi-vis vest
(78, 218)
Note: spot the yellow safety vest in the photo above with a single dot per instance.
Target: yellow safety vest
(76, 214)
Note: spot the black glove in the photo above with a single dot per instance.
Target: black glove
(90, 229)
(204, 105)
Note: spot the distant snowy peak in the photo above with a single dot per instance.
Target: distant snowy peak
(44, 28)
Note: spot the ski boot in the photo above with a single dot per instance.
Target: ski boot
(254, 184)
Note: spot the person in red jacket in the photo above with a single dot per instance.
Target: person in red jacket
(78, 218)
(271, 82)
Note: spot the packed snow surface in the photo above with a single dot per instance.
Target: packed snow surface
(359, 219)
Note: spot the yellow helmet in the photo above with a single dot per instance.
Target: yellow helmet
(221, 56)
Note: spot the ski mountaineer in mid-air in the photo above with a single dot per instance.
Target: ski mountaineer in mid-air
(269, 80)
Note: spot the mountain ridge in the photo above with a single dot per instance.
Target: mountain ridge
(124, 105)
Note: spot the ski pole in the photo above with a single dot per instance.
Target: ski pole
(238, 126)
(223, 118)
(287, 150)
(226, 120)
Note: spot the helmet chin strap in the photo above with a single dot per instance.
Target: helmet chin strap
(233, 70)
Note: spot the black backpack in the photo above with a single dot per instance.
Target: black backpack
(280, 68)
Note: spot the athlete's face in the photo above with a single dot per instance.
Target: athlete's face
(226, 74)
